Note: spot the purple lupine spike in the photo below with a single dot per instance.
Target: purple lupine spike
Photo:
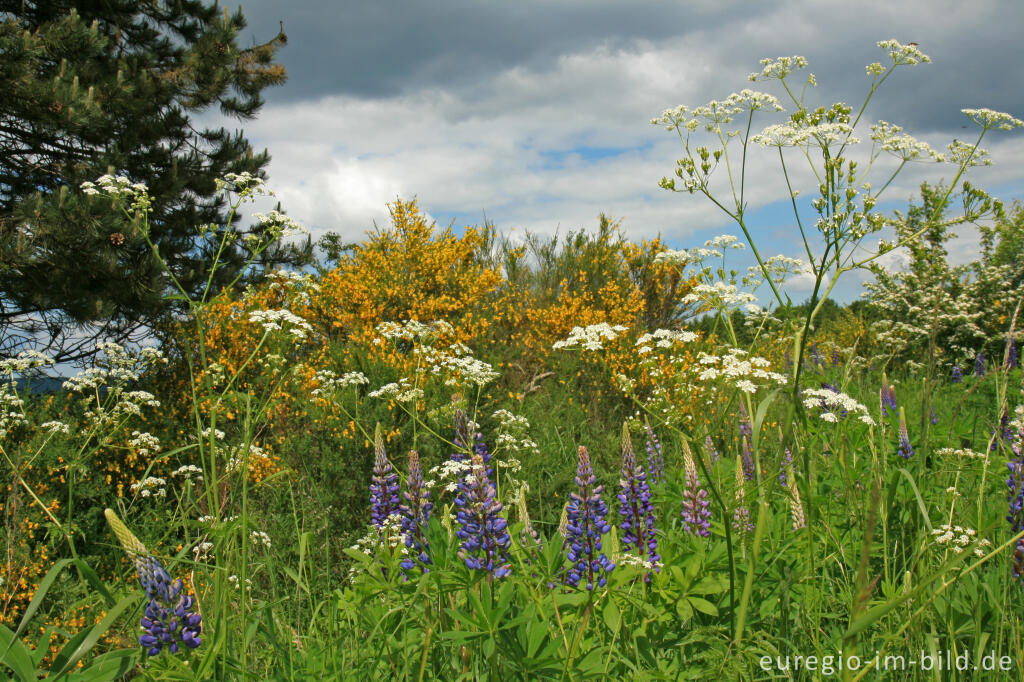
(836, 357)
(741, 516)
(816, 359)
(1015, 505)
(931, 414)
(655, 460)
(461, 439)
(696, 507)
(384, 501)
(482, 529)
(171, 615)
(638, 532)
(1005, 432)
(785, 463)
(1011, 354)
(958, 375)
(887, 396)
(585, 524)
(1018, 560)
(746, 437)
(979, 364)
(709, 447)
(416, 515)
(906, 451)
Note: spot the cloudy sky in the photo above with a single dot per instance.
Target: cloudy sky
(536, 113)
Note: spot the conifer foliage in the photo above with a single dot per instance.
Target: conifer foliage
(95, 88)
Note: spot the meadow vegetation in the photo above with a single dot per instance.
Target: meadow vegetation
(446, 455)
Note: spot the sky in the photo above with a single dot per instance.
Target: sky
(536, 114)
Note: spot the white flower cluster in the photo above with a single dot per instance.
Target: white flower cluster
(788, 135)
(962, 154)
(987, 118)
(26, 360)
(464, 370)
(779, 269)
(832, 404)
(628, 559)
(721, 295)
(234, 580)
(260, 538)
(203, 551)
(237, 458)
(961, 453)
(663, 338)
(778, 68)
(716, 113)
(113, 186)
(329, 381)
(958, 539)
(188, 472)
(892, 139)
(450, 472)
(55, 427)
(12, 410)
(590, 337)
(151, 485)
(401, 391)
(904, 54)
(145, 443)
(245, 185)
(121, 186)
(273, 320)
(737, 367)
(513, 434)
(413, 330)
(279, 225)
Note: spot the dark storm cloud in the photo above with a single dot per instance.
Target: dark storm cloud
(386, 47)
(383, 48)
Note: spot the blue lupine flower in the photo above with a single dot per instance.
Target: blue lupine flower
(979, 364)
(709, 447)
(585, 524)
(655, 460)
(836, 357)
(1011, 353)
(696, 507)
(887, 396)
(1015, 496)
(171, 616)
(384, 501)
(931, 413)
(958, 375)
(482, 529)
(906, 451)
(635, 505)
(416, 515)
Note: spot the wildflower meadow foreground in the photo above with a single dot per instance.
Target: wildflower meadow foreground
(466, 457)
